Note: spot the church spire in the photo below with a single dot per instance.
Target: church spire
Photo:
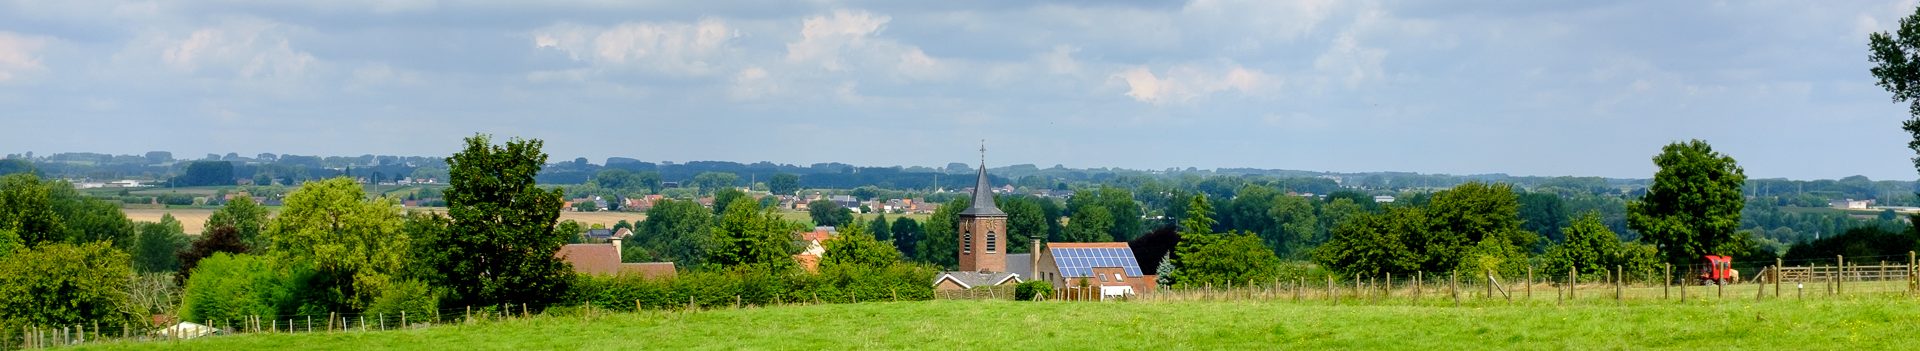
(983, 191)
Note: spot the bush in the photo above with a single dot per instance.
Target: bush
(409, 296)
(754, 286)
(1033, 290)
(232, 287)
(66, 284)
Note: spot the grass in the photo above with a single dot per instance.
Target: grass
(1870, 323)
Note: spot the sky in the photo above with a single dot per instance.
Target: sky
(1547, 88)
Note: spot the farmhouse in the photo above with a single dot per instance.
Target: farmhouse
(1111, 266)
(604, 259)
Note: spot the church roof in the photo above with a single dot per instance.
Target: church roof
(983, 198)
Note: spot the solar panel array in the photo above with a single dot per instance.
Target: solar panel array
(1080, 261)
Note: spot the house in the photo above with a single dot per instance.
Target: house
(1383, 199)
(605, 235)
(604, 259)
(1110, 266)
(809, 257)
(969, 280)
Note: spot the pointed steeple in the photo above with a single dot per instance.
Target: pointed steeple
(983, 192)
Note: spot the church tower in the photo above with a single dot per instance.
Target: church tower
(983, 228)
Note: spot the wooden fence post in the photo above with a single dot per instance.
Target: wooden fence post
(1619, 283)
(1336, 299)
(1760, 293)
(1529, 283)
(1453, 287)
(1666, 280)
(1573, 282)
(1840, 264)
(1778, 265)
(1913, 274)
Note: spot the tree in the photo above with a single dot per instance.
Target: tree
(881, 228)
(940, 246)
(10, 243)
(354, 244)
(713, 181)
(725, 197)
(1224, 260)
(89, 219)
(1475, 227)
(206, 173)
(1896, 59)
(1125, 214)
(235, 287)
(1543, 213)
(1199, 218)
(1025, 220)
(828, 213)
(1693, 206)
(501, 239)
(248, 219)
(618, 180)
(1591, 247)
(855, 248)
(623, 224)
(586, 206)
(906, 235)
(1295, 230)
(221, 239)
(1090, 224)
(27, 210)
(678, 231)
(784, 184)
(67, 284)
(1375, 243)
(155, 249)
(747, 235)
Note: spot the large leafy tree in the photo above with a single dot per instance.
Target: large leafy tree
(828, 213)
(67, 284)
(941, 244)
(233, 287)
(747, 235)
(1124, 212)
(89, 219)
(1591, 247)
(1089, 224)
(1896, 59)
(1375, 243)
(906, 235)
(353, 243)
(1230, 259)
(784, 184)
(724, 198)
(1475, 227)
(710, 182)
(677, 231)
(1692, 209)
(1295, 229)
(155, 250)
(27, 210)
(882, 228)
(501, 242)
(221, 239)
(247, 218)
(1025, 220)
(855, 248)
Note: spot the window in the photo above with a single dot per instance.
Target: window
(1119, 278)
(966, 242)
(992, 242)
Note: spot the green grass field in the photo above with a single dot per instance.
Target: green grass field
(1869, 323)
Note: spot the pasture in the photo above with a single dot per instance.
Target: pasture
(1863, 323)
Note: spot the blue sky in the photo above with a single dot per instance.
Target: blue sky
(1462, 87)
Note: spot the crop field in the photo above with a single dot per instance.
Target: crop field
(1852, 323)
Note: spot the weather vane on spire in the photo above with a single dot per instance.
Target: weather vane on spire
(983, 152)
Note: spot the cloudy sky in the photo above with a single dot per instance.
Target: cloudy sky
(1462, 87)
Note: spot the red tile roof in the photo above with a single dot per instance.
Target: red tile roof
(604, 259)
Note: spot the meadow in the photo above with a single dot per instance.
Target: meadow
(1860, 323)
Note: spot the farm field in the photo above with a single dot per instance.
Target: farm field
(1864, 323)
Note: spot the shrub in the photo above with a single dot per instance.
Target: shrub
(1033, 290)
(231, 287)
(754, 286)
(66, 284)
(408, 296)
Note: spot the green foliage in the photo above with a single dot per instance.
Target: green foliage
(1199, 217)
(1474, 227)
(710, 182)
(206, 173)
(1856, 243)
(1591, 247)
(1543, 213)
(906, 235)
(67, 284)
(25, 209)
(9, 243)
(853, 247)
(1089, 224)
(828, 213)
(158, 243)
(1375, 243)
(784, 184)
(1033, 290)
(678, 231)
(881, 228)
(248, 218)
(725, 197)
(354, 244)
(1693, 207)
(1896, 59)
(620, 181)
(220, 239)
(1124, 212)
(1025, 220)
(1232, 259)
(586, 206)
(1295, 229)
(501, 238)
(411, 297)
(233, 287)
(88, 219)
(940, 247)
(747, 235)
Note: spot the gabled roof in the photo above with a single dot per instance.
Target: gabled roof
(969, 279)
(1020, 264)
(604, 259)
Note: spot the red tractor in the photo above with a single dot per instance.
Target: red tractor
(1719, 270)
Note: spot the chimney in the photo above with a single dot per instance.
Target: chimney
(1033, 254)
(616, 248)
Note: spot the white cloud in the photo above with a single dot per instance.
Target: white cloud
(1187, 82)
(752, 83)
(1347, 60)
(246, 48)
(19, 54)
(823, 38)
(668, 47)
(1060, 60)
